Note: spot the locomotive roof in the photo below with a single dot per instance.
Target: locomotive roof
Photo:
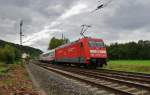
(79, 40)
(49, 51)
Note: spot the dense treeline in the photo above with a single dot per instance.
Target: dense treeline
(10, 52)
(129, 51)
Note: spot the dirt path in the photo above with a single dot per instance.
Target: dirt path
(35, 83)
(16, 82)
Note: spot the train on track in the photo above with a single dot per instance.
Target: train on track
(89, 52)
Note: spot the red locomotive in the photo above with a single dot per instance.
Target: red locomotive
(86, 51)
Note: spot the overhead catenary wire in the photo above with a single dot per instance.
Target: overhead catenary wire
(102, 5)
(84, 28)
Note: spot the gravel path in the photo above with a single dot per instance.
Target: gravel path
(35, 83)
(55, 84)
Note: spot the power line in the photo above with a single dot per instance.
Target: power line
(102, 5)
(28, 40)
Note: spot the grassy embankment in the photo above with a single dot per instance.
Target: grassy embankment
(3, 69)
(141, 66)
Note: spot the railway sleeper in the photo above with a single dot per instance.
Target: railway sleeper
(141, 93)
(122, 87)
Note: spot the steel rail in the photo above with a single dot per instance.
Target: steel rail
(142, 75)
(89, 74)
(129, 78)
(88, 80)
(109, 74)
(117, 80)
(97, 75)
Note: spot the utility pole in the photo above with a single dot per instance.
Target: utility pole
(64, 39)
(62, 36)
(21, 24)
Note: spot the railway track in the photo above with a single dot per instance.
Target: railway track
(115, 82)
(141, 75)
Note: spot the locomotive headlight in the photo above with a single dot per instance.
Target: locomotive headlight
(97, 51)
(102, 51)
(93, 51)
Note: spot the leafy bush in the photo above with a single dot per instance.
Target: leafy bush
(7, 54)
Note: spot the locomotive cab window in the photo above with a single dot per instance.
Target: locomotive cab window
(96, 44)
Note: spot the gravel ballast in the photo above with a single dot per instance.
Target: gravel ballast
(56, 84)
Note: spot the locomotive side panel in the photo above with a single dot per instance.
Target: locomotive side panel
(73, 53)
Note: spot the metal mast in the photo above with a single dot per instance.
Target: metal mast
(21, 24)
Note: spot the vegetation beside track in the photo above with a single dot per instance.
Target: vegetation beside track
(14, 80)
(10, 52)
(140, 66)
(129, 51)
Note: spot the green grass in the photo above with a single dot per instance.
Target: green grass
(141, 66)
(3, 69)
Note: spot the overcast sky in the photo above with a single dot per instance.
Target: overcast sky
(120, 21)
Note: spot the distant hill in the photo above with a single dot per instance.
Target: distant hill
(25, 49)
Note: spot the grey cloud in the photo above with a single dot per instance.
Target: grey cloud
(130, 15)
(19, 3)
(123, 24)
(122, 20)
(35, 14)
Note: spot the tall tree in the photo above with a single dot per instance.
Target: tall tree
(54, 42)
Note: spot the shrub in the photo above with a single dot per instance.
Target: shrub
(7, 54)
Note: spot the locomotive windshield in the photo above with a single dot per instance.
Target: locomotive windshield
(96, 44)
